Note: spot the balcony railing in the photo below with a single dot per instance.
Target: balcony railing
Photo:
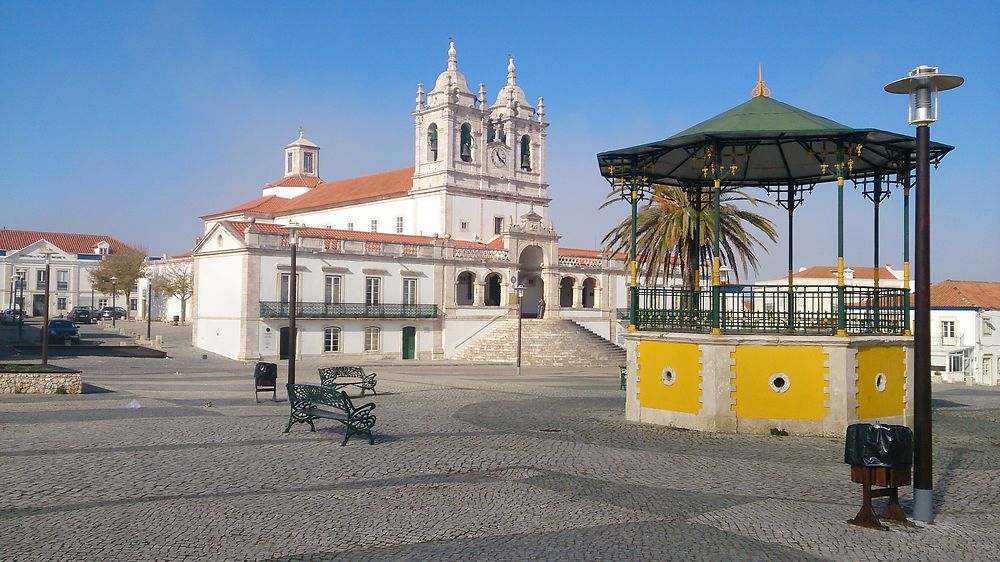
(774, 309)
(274, 309)
(62, 285)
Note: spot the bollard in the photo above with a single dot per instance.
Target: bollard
(158, 342)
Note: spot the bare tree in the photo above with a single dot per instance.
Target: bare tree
(177, 280)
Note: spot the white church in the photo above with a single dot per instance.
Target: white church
(418, 263)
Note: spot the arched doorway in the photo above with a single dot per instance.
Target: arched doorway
(493, 289)
(529, 270)
(566, 287)
(464, 288)
(589, 292)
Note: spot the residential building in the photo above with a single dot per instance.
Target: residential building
(965, 331)
(73, 257)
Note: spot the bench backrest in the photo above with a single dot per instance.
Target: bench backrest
(302, 394)
(330, 374)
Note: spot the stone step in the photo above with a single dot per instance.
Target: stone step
(544, 343)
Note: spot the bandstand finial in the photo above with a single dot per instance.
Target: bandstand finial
(761, 90)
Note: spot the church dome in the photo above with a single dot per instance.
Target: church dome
(511, 93)
(452, 76)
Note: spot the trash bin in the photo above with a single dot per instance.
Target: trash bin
(177, 320)
(868, 444)
(879, 455)
(265, 378)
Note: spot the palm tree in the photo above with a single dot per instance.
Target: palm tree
(666, 230)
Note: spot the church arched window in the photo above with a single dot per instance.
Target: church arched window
(432, 142)
(526, 153)
(466, 147)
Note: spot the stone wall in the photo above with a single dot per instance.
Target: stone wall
(40, 383)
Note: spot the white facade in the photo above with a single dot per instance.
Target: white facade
(73, 257)
(413, 271)
(965, 344)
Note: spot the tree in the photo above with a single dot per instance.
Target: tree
(176, 280)
(127, 265)
(666, 228)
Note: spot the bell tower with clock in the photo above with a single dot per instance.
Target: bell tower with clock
(485, 164)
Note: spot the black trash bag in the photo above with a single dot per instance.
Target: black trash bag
(265, 374)
(869, 444)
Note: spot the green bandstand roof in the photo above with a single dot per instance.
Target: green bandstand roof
(765, 142)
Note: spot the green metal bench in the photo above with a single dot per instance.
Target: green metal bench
(306, 399)
(339, 377)
(623, 371)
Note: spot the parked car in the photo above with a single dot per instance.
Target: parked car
(11, 316)
(62, 330)
(82, 315)
(112, 311)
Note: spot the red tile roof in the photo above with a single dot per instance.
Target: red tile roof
(332, 233)
(13, 240)
(383, 185)
(966, 294)
(584, 253)
(825, 271)
(296, 181)
(263, 205)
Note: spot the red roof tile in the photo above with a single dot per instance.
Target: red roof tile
(585, 253)
(825, 271)
(264, 205)
(332, 233)
(966, 294)
(296, 181)
(330, 194)
(13, 240)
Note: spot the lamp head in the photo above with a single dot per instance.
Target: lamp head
(114, 280)
(519, 289)
(922, 86)
(293, 231)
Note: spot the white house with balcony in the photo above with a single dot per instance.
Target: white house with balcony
(965, 331)
(415, 263)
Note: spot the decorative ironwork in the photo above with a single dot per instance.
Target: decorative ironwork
(274, 309)
(765, 309)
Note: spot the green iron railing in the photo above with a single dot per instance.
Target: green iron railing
(273, 309)
(773, 308)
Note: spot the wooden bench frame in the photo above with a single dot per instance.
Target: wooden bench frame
(305, 400)
(366, 381)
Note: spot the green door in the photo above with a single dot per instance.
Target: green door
(409, 342)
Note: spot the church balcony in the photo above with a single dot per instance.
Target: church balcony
(275, 309)
(762, 309)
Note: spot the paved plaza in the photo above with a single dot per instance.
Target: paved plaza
(468, 464)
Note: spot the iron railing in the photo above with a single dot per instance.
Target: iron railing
(274, 309)
(774, 308)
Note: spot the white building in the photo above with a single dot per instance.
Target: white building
(22, 268)
(410, 263)
(965, 331)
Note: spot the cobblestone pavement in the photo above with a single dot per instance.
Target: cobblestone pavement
(468, 464)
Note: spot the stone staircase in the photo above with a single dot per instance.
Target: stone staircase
(544, 343)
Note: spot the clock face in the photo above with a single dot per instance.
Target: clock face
(499, 157)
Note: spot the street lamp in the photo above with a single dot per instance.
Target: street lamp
(114, 300)
(519, 289)
(45, 322)
(293, 230)
(13, 283)
(149, 310)
(922, 86)
(21, 282)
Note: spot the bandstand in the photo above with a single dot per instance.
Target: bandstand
(748, 358)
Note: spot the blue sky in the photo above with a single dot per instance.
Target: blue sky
(134, 118)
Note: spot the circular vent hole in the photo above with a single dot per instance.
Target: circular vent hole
(779, 382)
(880, 381)
(668, 376)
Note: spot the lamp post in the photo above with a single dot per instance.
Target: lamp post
(21, 282)
(519, 289)
(114, 300)
(149, 310)
(45, 322)
(13, 284)
(922, 86)
(293, 230)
